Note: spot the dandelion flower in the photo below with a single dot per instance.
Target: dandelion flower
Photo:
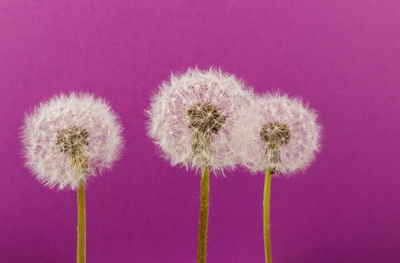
(279, 135)
(68, 139)
(191, 118)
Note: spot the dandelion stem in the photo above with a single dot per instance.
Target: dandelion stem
(205, 191)
(81, 241)
(267, 238)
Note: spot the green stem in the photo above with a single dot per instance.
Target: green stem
(205, 192)
(267, 239)
(81, 240)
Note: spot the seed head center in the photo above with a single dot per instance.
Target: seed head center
(206, 118)
(275, 134)
(72, 140)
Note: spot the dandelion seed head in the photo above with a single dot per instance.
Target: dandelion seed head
(71, 138)
(192, 115)
(279, 132)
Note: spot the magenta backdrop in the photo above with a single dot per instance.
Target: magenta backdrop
(341, 56)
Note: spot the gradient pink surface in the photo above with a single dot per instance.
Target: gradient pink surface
(342, 57)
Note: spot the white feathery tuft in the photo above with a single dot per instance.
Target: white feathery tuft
(45, 138)
(192, 115)
(296, 153)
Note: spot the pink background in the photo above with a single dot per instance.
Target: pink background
(341, 56)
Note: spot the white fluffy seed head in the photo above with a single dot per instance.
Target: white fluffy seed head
(277, 132)
(69, 138)
(192, 115)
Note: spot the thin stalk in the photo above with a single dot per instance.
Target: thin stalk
(81, 241)
(204, 197)
(267, 239)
